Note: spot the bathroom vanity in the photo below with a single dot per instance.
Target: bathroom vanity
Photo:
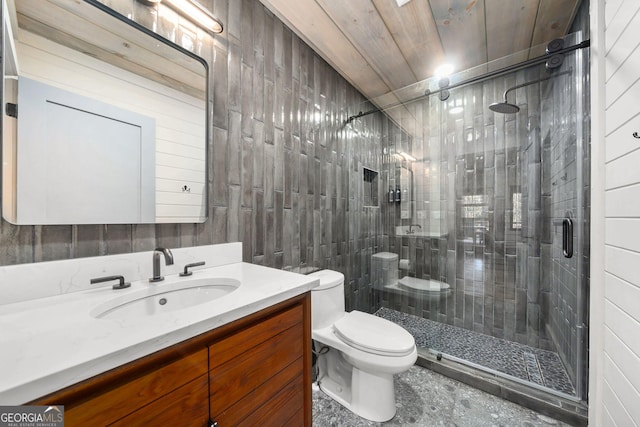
(243, 358)
(250, 372)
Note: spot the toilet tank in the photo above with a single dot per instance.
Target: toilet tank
(384, 269)
(327, 300)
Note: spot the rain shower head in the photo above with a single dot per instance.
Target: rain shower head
(504, 108)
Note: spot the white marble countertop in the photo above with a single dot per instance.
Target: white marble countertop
(54, 342)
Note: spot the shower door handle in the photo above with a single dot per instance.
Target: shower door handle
(567, 238)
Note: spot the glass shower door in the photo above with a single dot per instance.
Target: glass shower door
(565, 266)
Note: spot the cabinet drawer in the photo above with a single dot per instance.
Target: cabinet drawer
(127, 395)
(235, 379)
(186, 406)
(239, 343)
(251, 403)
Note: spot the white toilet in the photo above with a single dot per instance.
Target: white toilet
(358, 352)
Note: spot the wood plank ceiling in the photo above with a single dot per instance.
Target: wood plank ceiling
(381, 47)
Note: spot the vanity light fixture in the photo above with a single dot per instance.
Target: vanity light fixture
(192, 10)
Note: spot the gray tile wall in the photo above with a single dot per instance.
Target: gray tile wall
(285, 174)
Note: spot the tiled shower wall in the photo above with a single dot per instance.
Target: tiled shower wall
(494, 208)
(285, 174)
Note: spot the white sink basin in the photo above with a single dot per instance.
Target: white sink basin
(164, 298)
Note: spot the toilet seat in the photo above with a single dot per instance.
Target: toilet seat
(425, 286)
(374, 335)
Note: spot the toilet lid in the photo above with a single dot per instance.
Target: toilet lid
(373, 334)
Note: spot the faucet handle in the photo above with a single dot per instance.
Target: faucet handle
(120, 285)
(186, 271)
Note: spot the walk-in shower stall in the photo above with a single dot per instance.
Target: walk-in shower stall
(485, 217)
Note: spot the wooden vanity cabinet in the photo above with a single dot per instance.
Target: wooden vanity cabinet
(254, 371)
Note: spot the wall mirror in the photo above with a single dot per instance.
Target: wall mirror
(104, 122)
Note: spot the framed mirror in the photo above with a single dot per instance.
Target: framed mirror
(104, 121)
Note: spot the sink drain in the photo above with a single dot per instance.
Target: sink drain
(162, 301)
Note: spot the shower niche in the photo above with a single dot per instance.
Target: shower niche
(401, 190)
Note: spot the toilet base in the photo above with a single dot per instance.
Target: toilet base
(368, 395)
(372, 396)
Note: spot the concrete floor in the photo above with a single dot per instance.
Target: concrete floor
(426, 398)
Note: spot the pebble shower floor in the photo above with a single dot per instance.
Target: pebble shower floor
(518, 360)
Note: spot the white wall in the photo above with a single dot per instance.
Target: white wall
(615, 273)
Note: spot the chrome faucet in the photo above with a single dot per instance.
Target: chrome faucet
(410, 230)
(168, 260)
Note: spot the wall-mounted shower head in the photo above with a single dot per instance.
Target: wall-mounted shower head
(506, 107)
